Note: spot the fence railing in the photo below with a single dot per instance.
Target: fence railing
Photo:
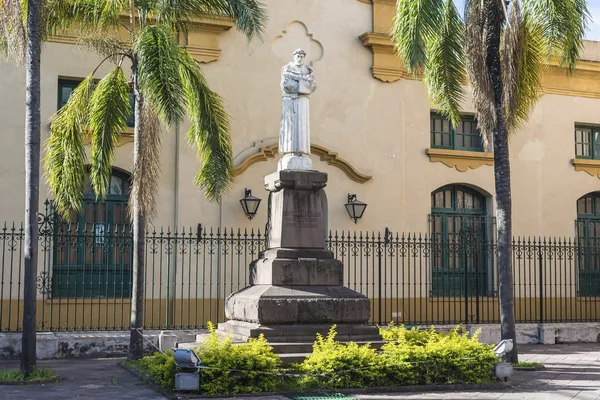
(84, 280)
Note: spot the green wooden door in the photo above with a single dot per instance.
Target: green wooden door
(92, 251)
(459, 225)
(588, 244)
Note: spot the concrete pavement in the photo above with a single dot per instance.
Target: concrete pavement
(572, 372)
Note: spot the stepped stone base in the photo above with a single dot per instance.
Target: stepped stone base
(299, 334)
(267, 304)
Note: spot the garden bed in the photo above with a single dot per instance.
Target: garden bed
(411, 360)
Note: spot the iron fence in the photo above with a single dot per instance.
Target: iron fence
(84, 280)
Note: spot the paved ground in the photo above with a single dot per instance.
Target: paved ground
(99, 379)
(573, 372)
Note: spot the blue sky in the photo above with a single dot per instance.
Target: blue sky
(594, 27)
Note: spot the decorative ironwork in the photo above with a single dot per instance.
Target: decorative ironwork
(43, 283)
(86, 284)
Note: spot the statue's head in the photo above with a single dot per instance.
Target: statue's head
(299, 56)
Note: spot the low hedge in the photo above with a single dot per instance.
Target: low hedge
(410, 357)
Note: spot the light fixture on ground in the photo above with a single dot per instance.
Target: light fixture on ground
(250, 204)
(187, 368)
(355, 208)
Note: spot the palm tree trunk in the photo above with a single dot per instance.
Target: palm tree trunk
(502, 182)
(32, 184)
(136, 340)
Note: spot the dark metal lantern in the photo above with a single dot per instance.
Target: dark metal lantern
(355, 208)
(250, 204)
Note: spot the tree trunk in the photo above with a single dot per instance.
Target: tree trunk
(32, 184)
(136, 341)
(502, 181)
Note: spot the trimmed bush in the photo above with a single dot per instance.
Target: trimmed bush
(443, 358)
(410, 357)
(337, 365)
(256, 357)
(160, 368)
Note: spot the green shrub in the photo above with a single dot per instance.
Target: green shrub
(413, 336)
(160, 368)
(444, 359)
(338, 365)
(255, 359)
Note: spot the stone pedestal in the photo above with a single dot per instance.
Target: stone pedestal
(297, 286)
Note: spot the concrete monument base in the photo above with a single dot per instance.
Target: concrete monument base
(298, 333)
(297, 286)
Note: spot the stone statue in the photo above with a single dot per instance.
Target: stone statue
(297, 83)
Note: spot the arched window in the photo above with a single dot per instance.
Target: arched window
(92, 250)
(588, 240)
(459, 233)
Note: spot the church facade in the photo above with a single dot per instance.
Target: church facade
(373, 132)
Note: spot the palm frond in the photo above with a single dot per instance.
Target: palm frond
(146, 168)
(209, 131)
(88, 15)
(108, 112)
(249, 16)
(414, 24)
(445, 67)
(158, 72)
(12, 30)
(105, 45)
(523, 58)
(563, 24)
(64, 163)
(478, 71)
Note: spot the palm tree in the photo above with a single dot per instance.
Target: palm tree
(501, 47)
(167, 84)
(20, 39)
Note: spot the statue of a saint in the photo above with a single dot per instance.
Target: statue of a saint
(297, 83)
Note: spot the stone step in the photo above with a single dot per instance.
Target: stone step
(307, 347)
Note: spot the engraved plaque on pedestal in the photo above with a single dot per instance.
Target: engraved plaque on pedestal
(296, 219)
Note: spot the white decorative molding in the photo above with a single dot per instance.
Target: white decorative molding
(295, 35)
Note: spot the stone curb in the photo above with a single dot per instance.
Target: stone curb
(530, 369)
(147, 381)
(36, 382)
(386, 389)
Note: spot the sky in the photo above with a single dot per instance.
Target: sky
(593, 28)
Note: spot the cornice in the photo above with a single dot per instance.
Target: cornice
(324, 154)
(583, 81)
(202, 40)
(124, 138)
(592, 167)
(461, 160)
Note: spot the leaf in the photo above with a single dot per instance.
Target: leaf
(414, 24)
(109, 109)
(249, 16)
(158, 57)
(209, 131)
(146, 167)
(445, 67)
(65, 160)
(563, 24)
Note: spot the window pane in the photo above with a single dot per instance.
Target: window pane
(583, 140)
(116, 185)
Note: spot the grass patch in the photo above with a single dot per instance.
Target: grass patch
(38, 374)
(528, 364)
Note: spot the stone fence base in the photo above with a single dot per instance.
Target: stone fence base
(116, 343)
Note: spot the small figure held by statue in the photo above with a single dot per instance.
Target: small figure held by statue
(297, 83)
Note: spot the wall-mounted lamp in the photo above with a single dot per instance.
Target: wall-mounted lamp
(250, 204)
(355, 208)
